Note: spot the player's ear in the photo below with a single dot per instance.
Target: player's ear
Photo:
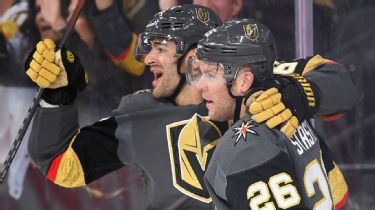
(243, 82)
(247, 81)
(190, 53)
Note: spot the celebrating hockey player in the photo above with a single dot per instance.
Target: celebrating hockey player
(254, 167)
(136, 133)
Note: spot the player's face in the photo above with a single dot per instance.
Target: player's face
(162, 60)
(214, 90)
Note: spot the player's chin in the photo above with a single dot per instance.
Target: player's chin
(215, 113)
(156, 93)
(212, 114)
(160, 92)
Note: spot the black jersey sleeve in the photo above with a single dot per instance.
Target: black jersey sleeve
(336, 88)
(337, 92)
(71, 156)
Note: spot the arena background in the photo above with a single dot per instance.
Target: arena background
(341, 30)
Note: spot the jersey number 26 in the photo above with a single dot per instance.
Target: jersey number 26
(286, 194)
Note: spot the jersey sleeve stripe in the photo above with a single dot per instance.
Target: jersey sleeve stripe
(127, 61)
(339, 188)
(341, 203)
(329, 62)
(331, 117)
(315, 62)
(66, 170)
(52, 172)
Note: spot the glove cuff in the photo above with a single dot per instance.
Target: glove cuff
(60, 96)
(76, 74)
(307, 90)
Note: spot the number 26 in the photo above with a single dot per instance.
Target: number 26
(286, 194)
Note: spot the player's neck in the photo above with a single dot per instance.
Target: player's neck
(188, 95)
(243, 111)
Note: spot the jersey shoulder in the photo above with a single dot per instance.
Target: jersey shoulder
(246, 145)
(138, 101)
(300, 65)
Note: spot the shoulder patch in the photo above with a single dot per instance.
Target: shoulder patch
(241, 131)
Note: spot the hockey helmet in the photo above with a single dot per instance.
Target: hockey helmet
(238, 43)
(184, 24)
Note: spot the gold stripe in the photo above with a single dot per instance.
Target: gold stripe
(70, 172)
(313, 63)
(129, 64)
(337, 184)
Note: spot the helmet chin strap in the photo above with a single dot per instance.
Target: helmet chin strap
(237, 108)
(181, 83)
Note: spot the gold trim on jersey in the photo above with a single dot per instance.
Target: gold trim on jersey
(70, 172)
(313, 63)
(188, 154)
(337, 184)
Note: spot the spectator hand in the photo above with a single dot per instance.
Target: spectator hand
(9, 29)
(103, 4)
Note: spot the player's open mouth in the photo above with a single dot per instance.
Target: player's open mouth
(208, 103)
(157, 78)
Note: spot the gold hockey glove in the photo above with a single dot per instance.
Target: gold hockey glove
(61, 73)
(289, 100)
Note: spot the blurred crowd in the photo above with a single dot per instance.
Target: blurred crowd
(104, 40)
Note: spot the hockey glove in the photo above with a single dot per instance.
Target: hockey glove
(60, 73)
(9, 29)
(286, 101)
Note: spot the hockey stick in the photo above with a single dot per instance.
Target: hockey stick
(30, 113)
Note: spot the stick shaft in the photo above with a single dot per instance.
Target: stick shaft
(30, 113)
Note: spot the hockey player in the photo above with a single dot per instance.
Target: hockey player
(253, 166)
(136, 133)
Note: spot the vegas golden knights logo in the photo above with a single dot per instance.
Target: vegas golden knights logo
(191, 145)
(202, 14)
(251, 31)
